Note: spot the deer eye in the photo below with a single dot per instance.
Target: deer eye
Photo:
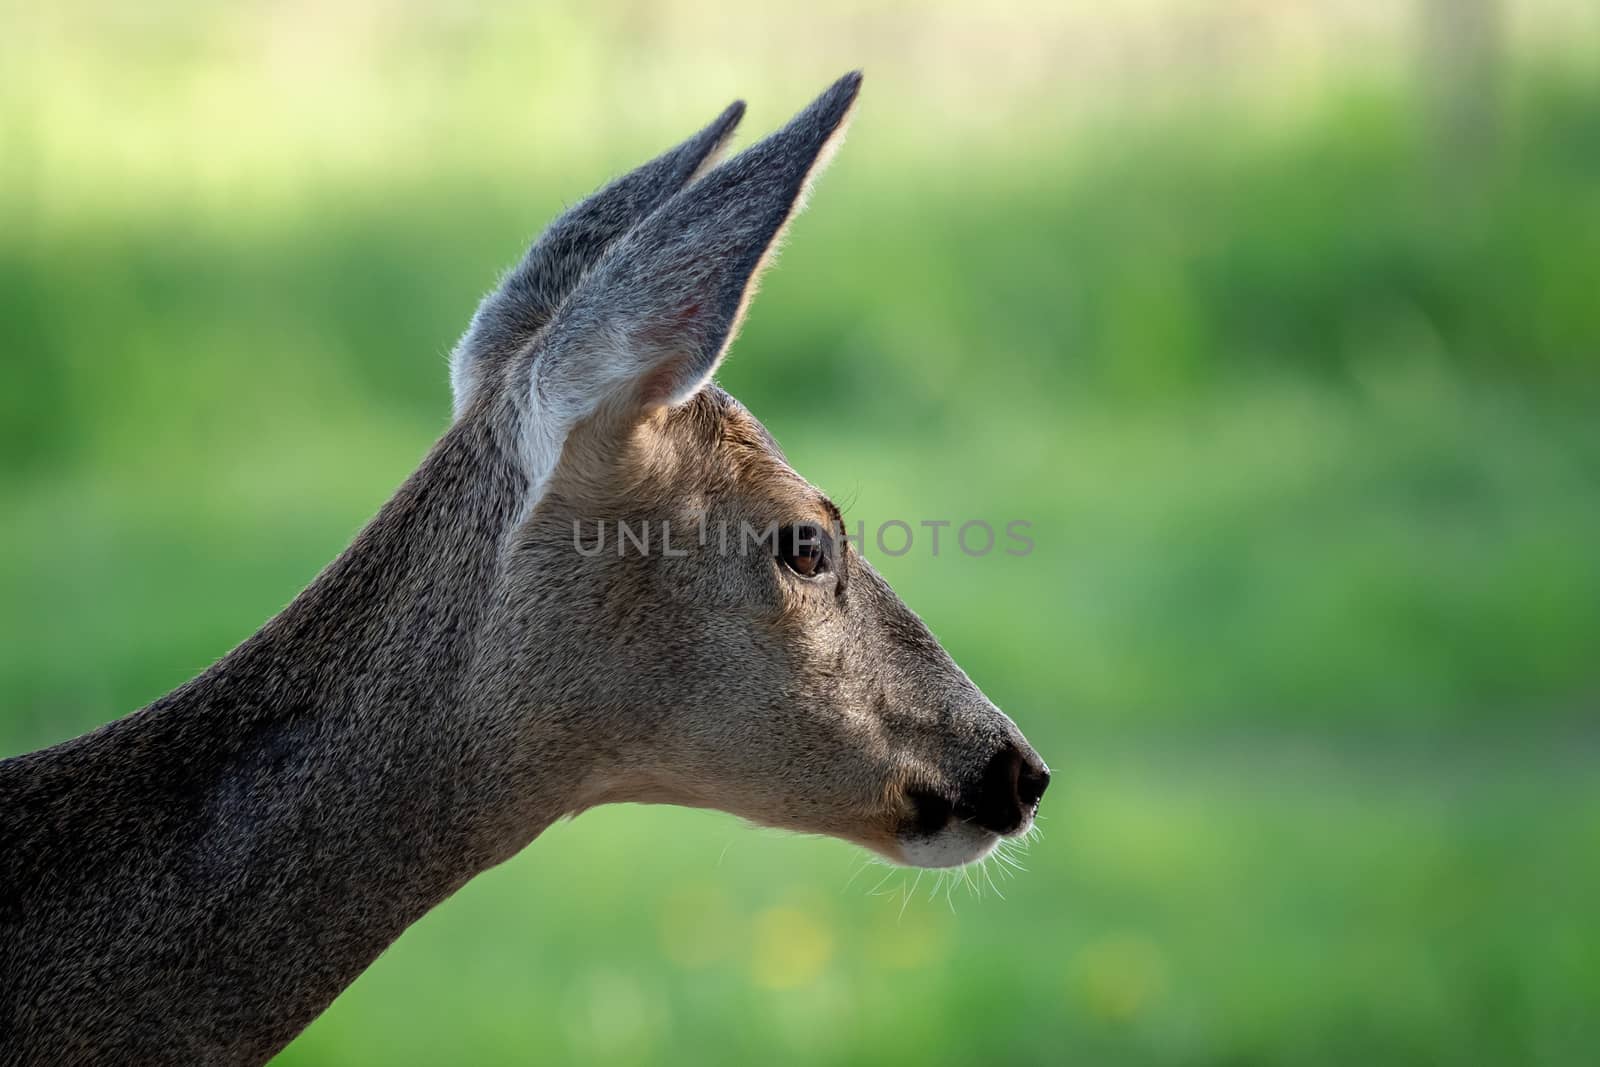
(803, 548)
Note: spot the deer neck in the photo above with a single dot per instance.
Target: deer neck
(281, 819)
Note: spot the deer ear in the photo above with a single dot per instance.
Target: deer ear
(531, 291)
(650, 323)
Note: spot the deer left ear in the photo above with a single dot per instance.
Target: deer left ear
(650, 323)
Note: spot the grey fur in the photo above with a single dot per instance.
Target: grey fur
(675, 287)
(511, 316)
(197, 881)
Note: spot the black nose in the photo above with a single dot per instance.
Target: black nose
(1008, 792)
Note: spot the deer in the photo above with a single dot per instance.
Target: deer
(197, 881)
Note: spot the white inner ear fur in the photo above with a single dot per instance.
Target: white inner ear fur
(461, 364)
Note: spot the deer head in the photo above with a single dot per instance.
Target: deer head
(740, 654)
(199, 879)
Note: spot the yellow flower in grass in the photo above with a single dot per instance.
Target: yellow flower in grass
(789, 948)
(1119, 976)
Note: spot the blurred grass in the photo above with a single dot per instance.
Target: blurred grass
(1301, 410)
(1417, 906)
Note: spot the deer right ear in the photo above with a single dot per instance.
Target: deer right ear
(648, 326)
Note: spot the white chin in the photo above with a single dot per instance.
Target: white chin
(957, 844)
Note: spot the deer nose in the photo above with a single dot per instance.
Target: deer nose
(1007, 795)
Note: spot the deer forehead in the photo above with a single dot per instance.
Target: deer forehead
(709, 451)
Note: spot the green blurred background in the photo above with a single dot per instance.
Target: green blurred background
(1280, 322)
